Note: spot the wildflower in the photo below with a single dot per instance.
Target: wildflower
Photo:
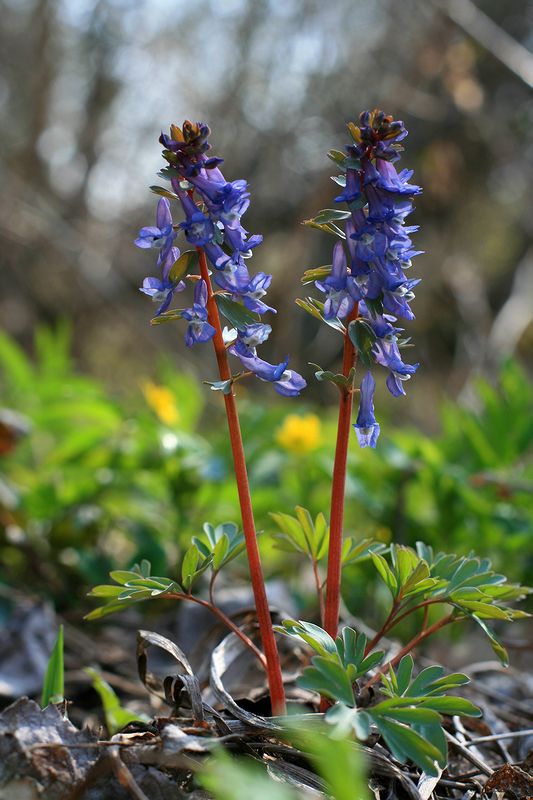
(162, 401)
(299, 434)
(256, 289)
(199, 329)
(369, 265)
(286, 381)
(162, 290)
(366, 427)
(160, 235)
(213, 224)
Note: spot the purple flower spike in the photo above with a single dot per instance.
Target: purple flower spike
(366, 427)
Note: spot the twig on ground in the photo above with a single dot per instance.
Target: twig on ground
(124, 776)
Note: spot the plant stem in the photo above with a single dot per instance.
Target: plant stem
(410, 646)
(225, 620)
(384, 628)
(333, 585)
(392, 620)
(275, 679)
(319, 591)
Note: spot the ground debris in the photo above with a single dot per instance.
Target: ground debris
(30, 770)
(512, 780)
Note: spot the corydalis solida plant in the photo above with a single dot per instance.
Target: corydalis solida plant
(366, 289)
(213, 208)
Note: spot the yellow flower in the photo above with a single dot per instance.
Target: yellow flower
(299, 434)
(161, 400)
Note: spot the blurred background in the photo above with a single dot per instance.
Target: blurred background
(127, 454)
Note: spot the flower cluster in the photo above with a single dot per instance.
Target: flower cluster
(367, 283)
(214, 225)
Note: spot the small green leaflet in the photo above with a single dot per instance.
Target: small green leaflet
(54, 679)
(237, 314)
(116, 717)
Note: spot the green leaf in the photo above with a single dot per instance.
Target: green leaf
(495, 643)
(220, 552)
(434, 734)
(186, 263)
(451, 706)
(313, 635)
(328, 678)
(105, 591)
(363, 339)
(291, 529)
(122, 576)
(221, 386)
(160, 190)
(316, 309)
(54, 679)
(385, 572)
(337, 156)
(353, 551)
(328, 215)
(188, 567)
(404, 673)
(340, 380)
(345, 719)
(116, 717)
(330, 227)
(405, 743)
(236, 313)
(167, 316)
(425, 680)
(316, 274)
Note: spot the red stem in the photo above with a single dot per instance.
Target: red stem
(392, 620)
(410, 646)
(333, 580)
(225, 620)
(319, 591)
(275, 679)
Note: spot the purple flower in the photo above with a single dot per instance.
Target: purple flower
(371, 243)
(366, 427)
(255, 334)
(339, 288)
(286, 381)
(387, 353)
(161, 235)
(198, 329)
(199, 229)
(256, 289)
(161, 290)
(233, 277)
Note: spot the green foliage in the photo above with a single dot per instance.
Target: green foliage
(339, 662)
(116, 717)
(466, 583)
(99, 481)
(220, 544)
(300, 534)
(133, 586)
(409, 719)
(54, 679)
(213, 550)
